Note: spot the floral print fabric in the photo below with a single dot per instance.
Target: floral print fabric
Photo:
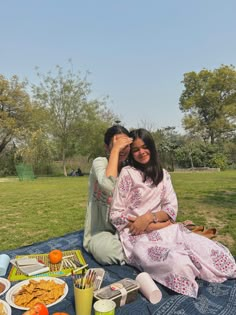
(173, 256)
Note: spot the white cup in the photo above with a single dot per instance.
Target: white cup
(4, 263)
(149, 288)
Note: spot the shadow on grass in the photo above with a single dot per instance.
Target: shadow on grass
(225, 203)
(221, 199)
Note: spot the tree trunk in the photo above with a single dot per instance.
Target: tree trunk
(64, 162)
(191, 160)
(4, 142)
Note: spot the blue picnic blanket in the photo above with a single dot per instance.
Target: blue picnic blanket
(213, 298)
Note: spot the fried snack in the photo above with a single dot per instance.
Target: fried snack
(2, 287)
(2, 309)
(43, 291)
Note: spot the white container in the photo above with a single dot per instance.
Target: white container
(121, 292)
(4, 263)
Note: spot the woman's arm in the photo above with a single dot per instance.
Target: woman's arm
(119, 143)
(120, 201)
(98, 170)
(150, 221)
(146, 222)
(106, 171)
(169, 202)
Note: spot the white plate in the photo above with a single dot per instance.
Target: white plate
(6, 306)
(10, 294)
(7, 284)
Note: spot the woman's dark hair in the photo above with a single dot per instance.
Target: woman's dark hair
(153, 168)
(112, 131)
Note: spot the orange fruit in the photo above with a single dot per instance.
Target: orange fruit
(55, 256)
(37, 309)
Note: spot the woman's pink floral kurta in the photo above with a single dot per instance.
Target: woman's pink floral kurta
(173, 256)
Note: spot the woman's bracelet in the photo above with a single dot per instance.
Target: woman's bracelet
(154, 217)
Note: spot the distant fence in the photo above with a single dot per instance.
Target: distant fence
(198, 169)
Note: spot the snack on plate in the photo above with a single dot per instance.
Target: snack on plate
(2, 309)
(2, 287)
(44, 291)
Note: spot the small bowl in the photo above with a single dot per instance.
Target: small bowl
(7, 284)
(6, 307)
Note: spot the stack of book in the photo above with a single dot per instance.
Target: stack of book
(30, 266)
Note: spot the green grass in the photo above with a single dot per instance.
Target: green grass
(33, 211)
(209, 199)
(37, 210)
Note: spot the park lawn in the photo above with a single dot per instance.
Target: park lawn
(209, 198)
(38, 210)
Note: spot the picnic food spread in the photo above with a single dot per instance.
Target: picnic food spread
(43, 291)
(37, 293)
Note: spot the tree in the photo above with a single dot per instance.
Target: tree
(230, 151)
(192, 153)
(209, 103)
(37, 150)
(167, 141)
(20, 118)
(15, 110)
(96, 120)
(66, 96)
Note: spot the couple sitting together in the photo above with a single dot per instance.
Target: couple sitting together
(131, 218)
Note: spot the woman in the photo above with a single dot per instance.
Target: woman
(173, 255)
(100, 237)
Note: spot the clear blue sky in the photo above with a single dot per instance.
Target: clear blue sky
(137, 51)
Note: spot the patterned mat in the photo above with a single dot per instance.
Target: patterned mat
(213, 298)
(55, 269)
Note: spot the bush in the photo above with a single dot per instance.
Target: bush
(219, 160)
(7, 165)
